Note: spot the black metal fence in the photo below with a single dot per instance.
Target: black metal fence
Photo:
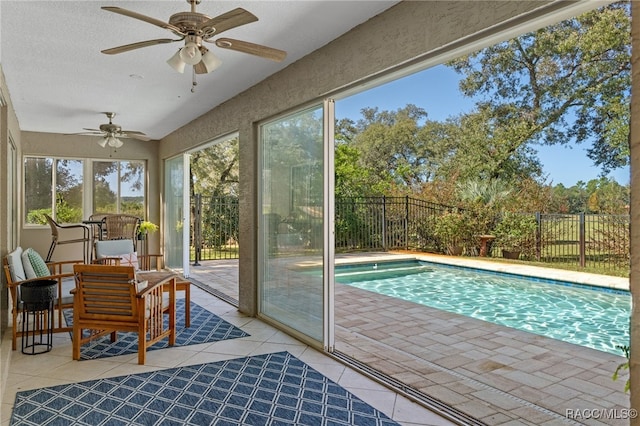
(406, 223)
(393, 223)
(385, 223)
(590, 240)
(214, 228)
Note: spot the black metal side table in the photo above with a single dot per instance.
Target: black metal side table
(38, 298)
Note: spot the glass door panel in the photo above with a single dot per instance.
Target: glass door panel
(176, 219)
(291, 280)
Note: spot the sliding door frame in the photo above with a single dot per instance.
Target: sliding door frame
(328, 246)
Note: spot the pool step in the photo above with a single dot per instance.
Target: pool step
(379, 273)
(383, 270)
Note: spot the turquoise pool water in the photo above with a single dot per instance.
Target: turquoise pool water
(584, 315)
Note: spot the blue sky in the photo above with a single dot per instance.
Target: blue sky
(436, 91)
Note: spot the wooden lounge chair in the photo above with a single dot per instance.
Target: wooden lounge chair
(107, 299)
(15, 273)
(117, 252)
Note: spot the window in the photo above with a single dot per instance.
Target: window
(53, 186)
(118, 187)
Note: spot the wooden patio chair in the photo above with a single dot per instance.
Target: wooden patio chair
(148, 267)
(119, 252)
(16, 276)
(108, 299)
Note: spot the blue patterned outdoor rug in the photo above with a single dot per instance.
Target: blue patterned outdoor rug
(206, 327)
(271, 389)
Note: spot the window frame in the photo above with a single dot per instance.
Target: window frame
(119, 197)
(87, 167)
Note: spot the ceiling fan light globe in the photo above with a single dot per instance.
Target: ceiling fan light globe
(176, 62)
(190, 54)
(103, 142)
(210, 61)
(117, 143)
(114, 142)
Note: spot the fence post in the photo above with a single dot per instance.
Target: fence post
(538, 236)
(384, 223)
(406, 222)
(583, 245)
(197, 229)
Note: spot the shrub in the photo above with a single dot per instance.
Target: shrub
(453, 229)
(516, 231)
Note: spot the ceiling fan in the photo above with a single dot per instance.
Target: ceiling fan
(111, 133)
(195, 28)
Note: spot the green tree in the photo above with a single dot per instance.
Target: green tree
(214, 170)
(393, 146)
(352, 179)
(407, 153)
(606, 196)
(566, 82)
(601, 196)
(214, 174)
(476, 146)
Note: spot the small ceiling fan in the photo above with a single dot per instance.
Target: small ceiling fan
(111, 133)
(195, 28)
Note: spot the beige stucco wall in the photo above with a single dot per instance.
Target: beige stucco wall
(9, 129)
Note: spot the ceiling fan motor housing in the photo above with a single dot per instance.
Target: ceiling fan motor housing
(188, 22)
(110, 128)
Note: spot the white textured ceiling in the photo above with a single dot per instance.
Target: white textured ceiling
(60, 82)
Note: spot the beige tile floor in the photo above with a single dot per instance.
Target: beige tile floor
(495, 374)
(23, 372)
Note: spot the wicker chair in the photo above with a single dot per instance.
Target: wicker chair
(121, 227)
(56, 239)
(97, 229)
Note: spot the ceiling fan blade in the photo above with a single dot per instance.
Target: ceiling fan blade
(134, 135)
(138, 45)
(232, 19)
(144, 18)
(252, 49)
(84, 134)
(92, 130)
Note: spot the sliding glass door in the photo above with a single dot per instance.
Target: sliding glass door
(176, 214)
(295, 223)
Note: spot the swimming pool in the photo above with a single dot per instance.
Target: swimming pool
(584, 315)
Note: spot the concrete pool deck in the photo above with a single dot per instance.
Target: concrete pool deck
(492, 373)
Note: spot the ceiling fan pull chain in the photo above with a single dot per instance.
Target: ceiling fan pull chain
(194, 83)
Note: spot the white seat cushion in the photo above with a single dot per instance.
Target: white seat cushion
(14, 259)
(118, 248)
